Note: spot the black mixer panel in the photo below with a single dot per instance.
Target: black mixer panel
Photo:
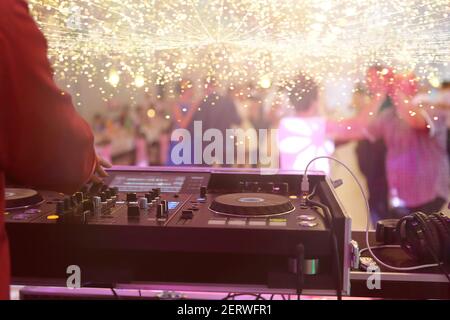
(180, 225)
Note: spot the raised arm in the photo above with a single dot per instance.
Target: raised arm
(356, 128)
(48, 145)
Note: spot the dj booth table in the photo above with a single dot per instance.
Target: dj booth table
(428, 284)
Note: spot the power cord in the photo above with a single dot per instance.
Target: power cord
(300, 281)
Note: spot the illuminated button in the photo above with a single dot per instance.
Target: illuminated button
(305, 217)
(6, 213)
(53, 217)
(307, 224)
(293, 197)
(257, 222)
(277, 223)
(237, 222)
(217, 222)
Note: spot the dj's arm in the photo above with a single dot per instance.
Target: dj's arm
(48, 145)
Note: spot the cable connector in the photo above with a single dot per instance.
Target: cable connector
(304, 190)
(304, 185)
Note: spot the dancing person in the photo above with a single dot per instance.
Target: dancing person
(415, 137)
(182, 115)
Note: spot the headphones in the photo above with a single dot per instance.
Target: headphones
(425, 237)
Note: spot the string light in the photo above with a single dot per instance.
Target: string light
(265, 82)
(240, 41)
(139, 81)
(151, 113)
(114, 78)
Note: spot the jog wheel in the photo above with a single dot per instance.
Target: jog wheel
(251, 205)
(16, 198)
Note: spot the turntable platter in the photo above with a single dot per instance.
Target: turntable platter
(17, 198)
(251, 204)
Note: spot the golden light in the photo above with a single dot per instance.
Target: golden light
(385, 71)
(265, 82)
(434, 80)
(139, 81)
(241, 41)
(151, 113)
(114, 78)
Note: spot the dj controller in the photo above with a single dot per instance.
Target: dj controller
(183, 225)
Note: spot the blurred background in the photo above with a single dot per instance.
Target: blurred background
(137, 70)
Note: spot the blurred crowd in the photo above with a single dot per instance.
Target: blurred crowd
(401, 126)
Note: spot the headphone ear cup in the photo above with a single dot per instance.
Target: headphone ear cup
(410, 241)
(431, 246)
(444, 235)
(442, 219)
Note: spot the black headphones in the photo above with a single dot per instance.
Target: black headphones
(425, 237)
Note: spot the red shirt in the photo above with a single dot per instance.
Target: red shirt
(44, 143)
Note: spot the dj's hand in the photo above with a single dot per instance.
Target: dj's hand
(99, 171)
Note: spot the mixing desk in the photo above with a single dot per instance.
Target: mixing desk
(183, 225)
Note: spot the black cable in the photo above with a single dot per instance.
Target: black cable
(90, 284)
(331, 225)
(300, 281)
(116, 296)
(234, 295)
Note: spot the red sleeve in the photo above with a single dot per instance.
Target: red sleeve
(43, 141)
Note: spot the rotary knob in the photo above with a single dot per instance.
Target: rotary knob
(114, 191)
(88, 205)
(143, 203)
(131, 197)
(78, 196)
(150, 197)
(156, 191)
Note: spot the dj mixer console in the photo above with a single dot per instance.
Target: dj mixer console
(183, 225)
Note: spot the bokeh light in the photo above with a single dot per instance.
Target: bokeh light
(142, 43)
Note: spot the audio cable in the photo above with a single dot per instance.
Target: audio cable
(329, 218)
(305, 190)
